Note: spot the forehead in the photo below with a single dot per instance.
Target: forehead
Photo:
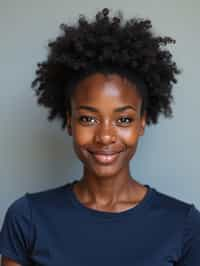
(106, 91)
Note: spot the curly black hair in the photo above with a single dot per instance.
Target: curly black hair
(107, 45)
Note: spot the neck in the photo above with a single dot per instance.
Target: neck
(104, 191)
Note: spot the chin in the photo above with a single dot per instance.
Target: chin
(104, 171)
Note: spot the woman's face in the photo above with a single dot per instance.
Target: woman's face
(105, 120)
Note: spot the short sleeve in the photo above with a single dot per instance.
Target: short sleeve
(191, 239)
(16, 231)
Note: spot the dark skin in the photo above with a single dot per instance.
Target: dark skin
(8, 262)
(105, 187)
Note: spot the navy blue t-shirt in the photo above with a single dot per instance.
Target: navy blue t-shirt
(53, 228)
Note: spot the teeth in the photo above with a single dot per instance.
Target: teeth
(105, 158)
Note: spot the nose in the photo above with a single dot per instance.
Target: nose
(105, 134)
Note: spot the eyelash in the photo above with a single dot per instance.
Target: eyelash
(123, 117)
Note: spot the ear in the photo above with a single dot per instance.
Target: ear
(142, 124)
(68, 120)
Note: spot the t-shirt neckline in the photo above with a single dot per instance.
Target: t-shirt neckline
(140, 207)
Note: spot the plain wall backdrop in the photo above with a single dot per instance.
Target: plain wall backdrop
(36, 155)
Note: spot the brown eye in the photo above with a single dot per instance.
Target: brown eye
(86, 119)
(126, 120)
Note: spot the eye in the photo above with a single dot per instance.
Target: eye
(89, 119)
(126, 119)
(86, 119)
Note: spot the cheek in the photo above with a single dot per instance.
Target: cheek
(130, 139)
(81, 139)
(129, 136)
(82, 135)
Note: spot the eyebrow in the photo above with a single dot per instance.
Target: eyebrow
(119, 109)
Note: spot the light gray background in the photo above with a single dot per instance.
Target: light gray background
(36, 155)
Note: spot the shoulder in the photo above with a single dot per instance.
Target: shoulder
(18, 209)
(45, 194)
(183, 219)
(47, 198)
(23, 206)
(171, 205)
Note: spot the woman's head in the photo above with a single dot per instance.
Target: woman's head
(107, 45)
(105, 119)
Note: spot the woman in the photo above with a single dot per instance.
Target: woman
(106, 80)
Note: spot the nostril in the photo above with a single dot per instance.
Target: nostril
(105, 138)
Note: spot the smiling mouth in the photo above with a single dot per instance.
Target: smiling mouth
(105, 158)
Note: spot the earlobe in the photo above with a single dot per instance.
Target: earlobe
(143, 124)
(68, 122)
(69, 129)
(141, 133)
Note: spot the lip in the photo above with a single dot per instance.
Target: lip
(104, 152)
(105, 158)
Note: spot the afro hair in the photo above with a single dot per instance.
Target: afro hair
(107, 44)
